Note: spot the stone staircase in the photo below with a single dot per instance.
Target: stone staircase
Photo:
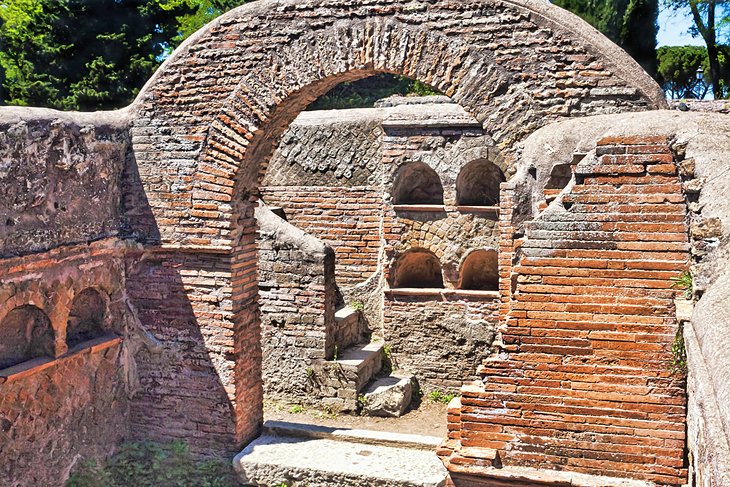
(297, 454)
(342, 379)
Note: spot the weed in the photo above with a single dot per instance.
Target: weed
(441, 397)
(310, 372)
(151, 464)
(337, 353)
(387, 359)
(684, 282)
(296, 409)
(679, 353)
(357, 305)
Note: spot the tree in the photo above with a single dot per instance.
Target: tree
(80, 54)
(632, 24)
(678, 71)
(710, 17)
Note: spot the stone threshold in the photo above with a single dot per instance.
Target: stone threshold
(366, 437)
(532, 477)
(417, 291)
(38, 365)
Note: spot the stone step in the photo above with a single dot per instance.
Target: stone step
(347, 327)
(295, 454)
(340, 381)
(369, 437)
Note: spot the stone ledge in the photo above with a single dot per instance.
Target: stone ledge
(417, 291)
(420, 208)
(37, 365)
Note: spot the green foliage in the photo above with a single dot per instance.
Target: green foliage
(441, 397)
(91, 55)
(151, 465)
(711, 22)
(365, 92)
(357, 305)
(679, 353)
(362, 401)
(677, 71)
(632, 24)
(684, 281)
(296, 409)
(388, 364)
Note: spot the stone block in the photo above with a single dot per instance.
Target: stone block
(389, 396)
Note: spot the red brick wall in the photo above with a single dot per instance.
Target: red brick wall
(587, 385)
(348, 219)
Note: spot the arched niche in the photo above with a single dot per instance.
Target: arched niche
(417, 184)
(478, 184)
(417, 268)
(480, 271)
(86, 318)
(25, 334)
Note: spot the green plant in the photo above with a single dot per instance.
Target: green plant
(310, 372)
(362, 401)
(357, 305)
(296, 409)
(337, 353)
(150, 464)
(387, 359)
(684, 282)
(679, 352)
(441, 397)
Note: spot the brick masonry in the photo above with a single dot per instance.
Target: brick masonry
(199, 132)
(584, 380)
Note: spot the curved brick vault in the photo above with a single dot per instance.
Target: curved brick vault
(205, 125)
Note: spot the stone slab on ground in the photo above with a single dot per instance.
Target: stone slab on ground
(323, 462)
(388, 396)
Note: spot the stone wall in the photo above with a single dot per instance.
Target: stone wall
(347, 218)
(297, 298)
(442, 338)
(61, 178)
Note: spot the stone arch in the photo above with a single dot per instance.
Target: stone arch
(204, 126)
(478, 184)
(417, 268)
(480, 271)
(25, 333)
(417, 184)
(87, 316)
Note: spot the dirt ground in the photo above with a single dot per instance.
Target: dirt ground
(427, 418)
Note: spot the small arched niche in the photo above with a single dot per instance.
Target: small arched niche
(417, 184)
(480, 271)
(86, 318)
(417, 268)
(25, 334)
(478, 184)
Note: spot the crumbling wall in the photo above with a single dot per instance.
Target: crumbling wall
(297, 296)
(60, 177)
(589, 325)
(70, 405)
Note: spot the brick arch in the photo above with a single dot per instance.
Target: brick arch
(205, 125)
(223, 99)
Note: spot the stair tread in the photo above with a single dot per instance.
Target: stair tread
(322, 461)
(360, 353)
(345, 312)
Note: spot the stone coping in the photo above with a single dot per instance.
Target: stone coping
(37, 365)
(417, 291)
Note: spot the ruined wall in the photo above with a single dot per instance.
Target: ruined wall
(297, 298)
(69, 405)
(346, 218)
(589, 324)
(443, 338)
(60, 178)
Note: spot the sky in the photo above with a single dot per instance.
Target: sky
(673, 27)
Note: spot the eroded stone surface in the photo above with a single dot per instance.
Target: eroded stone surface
(389, 396)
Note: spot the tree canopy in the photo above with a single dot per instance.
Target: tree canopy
(632, 24)
(681, 71)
